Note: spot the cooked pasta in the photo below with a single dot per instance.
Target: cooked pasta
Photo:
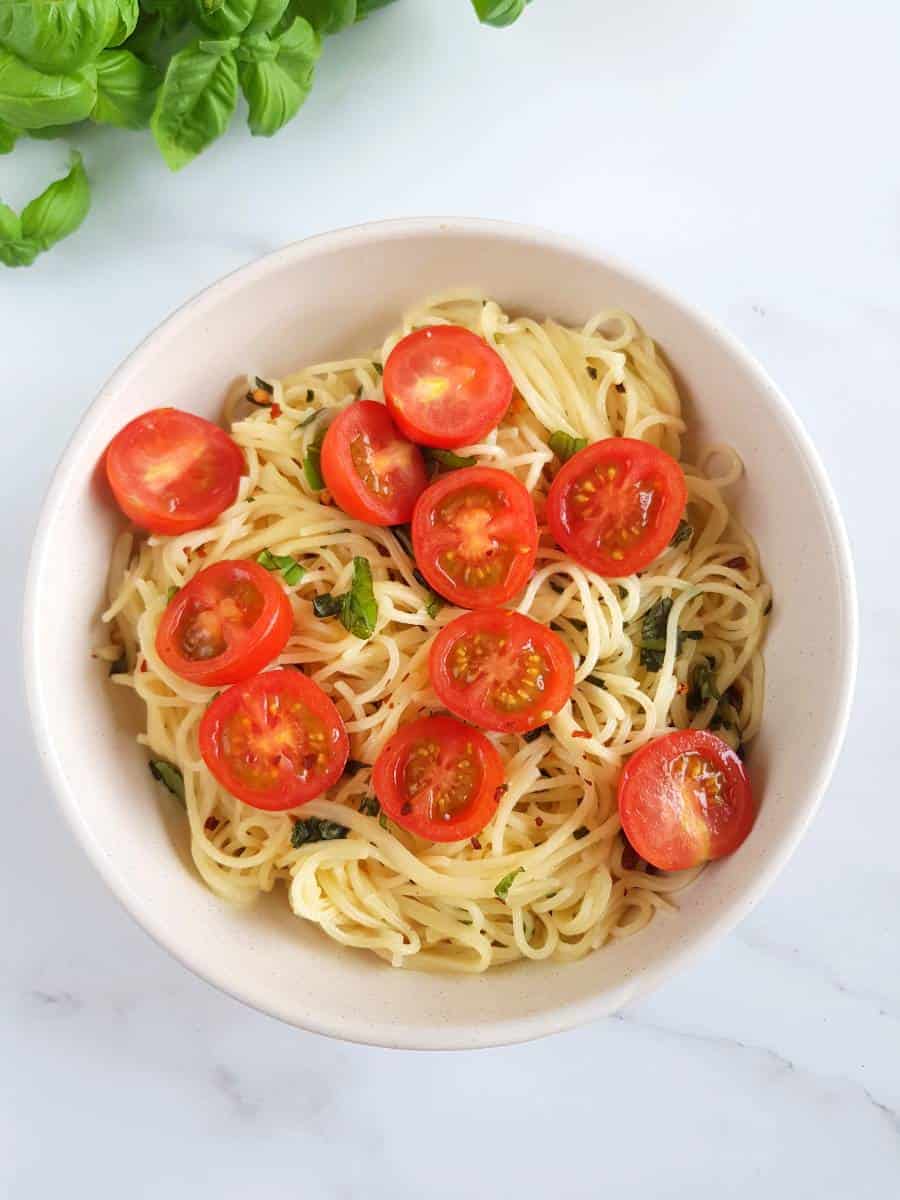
(551, 877)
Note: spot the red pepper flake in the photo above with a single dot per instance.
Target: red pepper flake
(737, 564)
(476, 845)
(144, 665)
(538, 820)
(210, 823)
(582, 733)
(274, 412)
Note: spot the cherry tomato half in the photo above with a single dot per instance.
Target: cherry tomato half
(445, 386)
(373, 473)
(225, 624)
(501, 670)
(475, 536)
(275, 741)
(685, 798)
(171, 471)
(615, 505)
(439, 779)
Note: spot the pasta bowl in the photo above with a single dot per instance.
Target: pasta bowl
(317, 300)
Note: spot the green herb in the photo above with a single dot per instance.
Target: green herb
(197, 100)
(169, 775)
(120, 666)
(499, 12)
(653, 635)
(383, 821)
(448, 459)
(433, 602)
(564, 445)
(379, 369)
(316, 829)
(683, 533)
(581, 832)
(291, 570)
(596, 681)
(358, 608)
(46, 220)
(312, 464)
(172, 593)
(533, 734)
(369, 806)
(502, 888)
(126, 90)
(276, 75)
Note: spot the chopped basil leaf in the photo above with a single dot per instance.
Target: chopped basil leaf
(316, 829)
(653, 634)
(369, 806)
(702, 685)
(120, 666)
(290, 569)
(502, 888)
(581, 832)
(433, 602)
(533, 734)
(564, 445)
(683, 533)
(358, 608)
(312, 464)
(167, 773)
(596, 681)
(447, 458)
(383, 821)
(172, 593)
(434, 605)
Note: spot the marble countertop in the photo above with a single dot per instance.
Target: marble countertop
(746, 155)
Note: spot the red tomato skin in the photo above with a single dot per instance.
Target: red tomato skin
(287, 684)
(255, 649)
(371, 419)
(147, 440)
(664, 827)
(462, 420)
(518, 518)
(519, 631)
(387, 779)
(643, 460)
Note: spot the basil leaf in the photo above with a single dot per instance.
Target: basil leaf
(227, 17)
(290, 569)
(126, 14)
(446, 458)
(277, 78)
(359, 612)
(126, 90)
(502, 888)
(596, 681)
(499, 12)
(29, 99)
(327, 16)
(168, 774)
(8, 137)
(653, 635)
(683, 533)
(703, 685)
(327, 605)
(316, 829)
(564, 445)
(369, 806)
(533, 734)
(59, 37)
(196, 101)
(312, 468)
(53, 215)
(364, 7)
(433, 602)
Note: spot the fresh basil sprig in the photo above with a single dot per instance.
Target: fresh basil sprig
(358, 608)
(46, 220)
(316, 829)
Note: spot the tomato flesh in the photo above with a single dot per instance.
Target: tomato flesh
(171, 471)
(501, 670)
(275, 741)
(373, 472)
(445, 386)
(615, 505)
(228, 622)
(475, 536)
(684, 799)
(439, 779)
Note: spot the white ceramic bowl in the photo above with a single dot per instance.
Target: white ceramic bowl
(320, 299)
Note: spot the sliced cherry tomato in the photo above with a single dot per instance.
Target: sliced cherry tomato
(445, 386)
(373, 473)
(225, 624)
(439, 779)
(501, 670)
(171, 471)
(475, 536)
(615, 505)
(685, 798)
(275, 741)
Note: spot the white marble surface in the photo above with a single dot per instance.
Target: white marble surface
(744, 153)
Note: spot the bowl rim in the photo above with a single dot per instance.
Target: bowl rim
(502, 1031)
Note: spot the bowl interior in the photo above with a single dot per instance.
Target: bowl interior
(325, 298)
